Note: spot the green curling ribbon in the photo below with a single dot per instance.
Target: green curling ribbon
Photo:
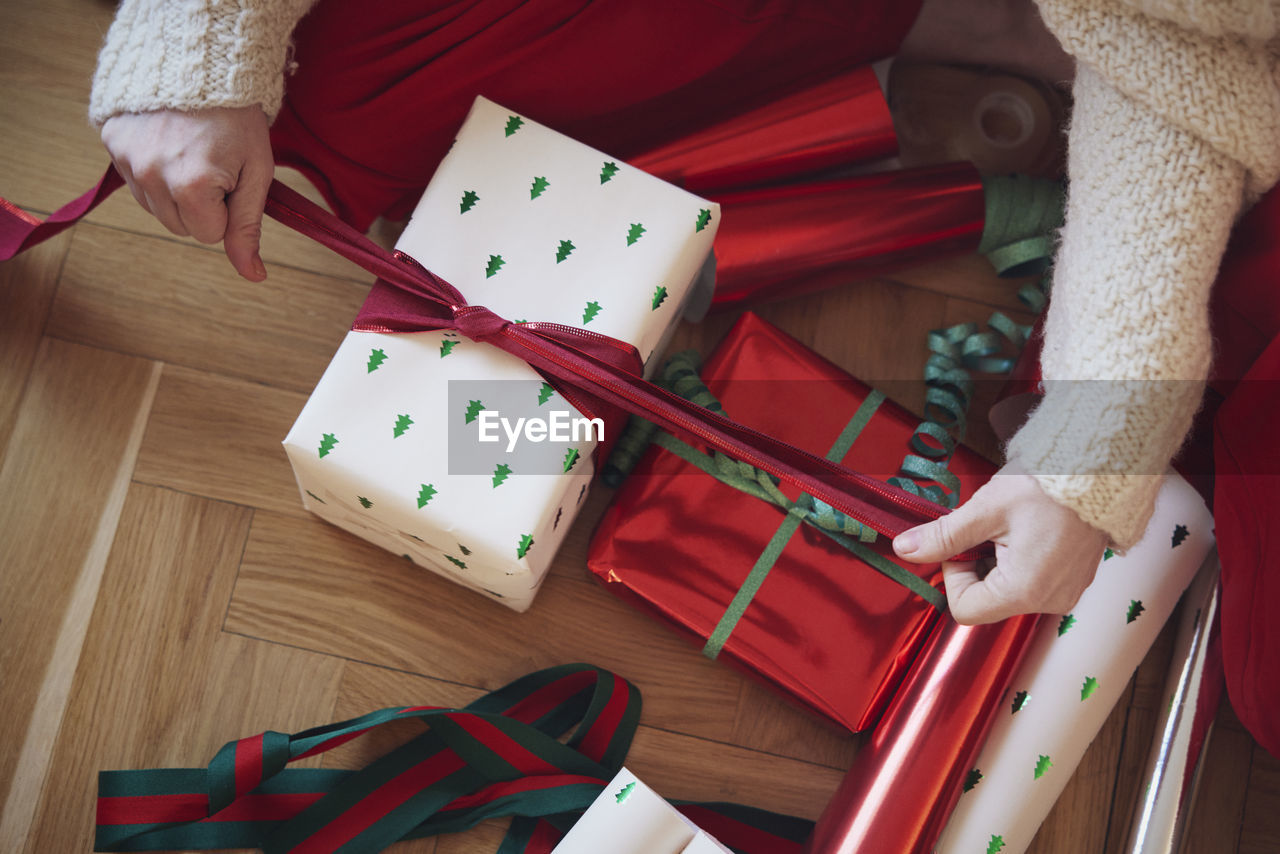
(1021, 215)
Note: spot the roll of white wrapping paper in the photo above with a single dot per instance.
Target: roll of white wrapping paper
(1074, 673)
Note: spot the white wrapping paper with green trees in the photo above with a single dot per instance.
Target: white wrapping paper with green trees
(1072, 677)
(536, 227)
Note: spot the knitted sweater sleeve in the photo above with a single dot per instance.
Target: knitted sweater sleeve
(1175, 125)
(192, 54)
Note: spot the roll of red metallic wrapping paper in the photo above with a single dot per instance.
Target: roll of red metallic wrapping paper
(824, 628)
(783, 241)
(906, 779)
(838, 122)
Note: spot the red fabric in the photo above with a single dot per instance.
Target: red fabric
(380, 87)
(1246, 319)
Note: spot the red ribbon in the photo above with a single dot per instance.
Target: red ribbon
(591, 370)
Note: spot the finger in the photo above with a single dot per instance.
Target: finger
(244, 219)
(130, 182)
(974, 600)
(202, 206)
(162, 207)
(963, 528)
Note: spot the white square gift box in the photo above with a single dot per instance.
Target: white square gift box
(630, 818)
(534, 226)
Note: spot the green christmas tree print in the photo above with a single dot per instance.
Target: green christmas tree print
(1020, 700)
(364, 502)
(608, 171)
(469, 199)
(1179, 534)
(513, 124)
(495, 264)
(1065, 624)
(474, 408)
(570, 459)
(446, 347)
(402, 425)
(704, 219)
(590, 312)
(996, 845)
(464, 549)
(1042, 766)
(455, 561)
(659, 297)
(500, 474)
(1135, 610)
(625, 792)
(973, 778)
(316, 497)
(522, 548)
(425, 495)
(540, 185)
(634, 232)
(1086, 690)
(327, 441)
(1108, 554)
(545, 393)
(376, 358)
(563, 251)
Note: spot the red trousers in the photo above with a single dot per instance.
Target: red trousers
(380, 87)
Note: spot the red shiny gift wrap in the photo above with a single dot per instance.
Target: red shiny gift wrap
(824, 627)
(793, 239)
(838, 122)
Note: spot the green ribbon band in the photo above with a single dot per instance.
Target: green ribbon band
(681, 375)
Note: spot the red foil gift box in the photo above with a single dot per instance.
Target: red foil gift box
(824, 627)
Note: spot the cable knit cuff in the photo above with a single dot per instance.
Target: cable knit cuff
(1101, 447)
(194, 54)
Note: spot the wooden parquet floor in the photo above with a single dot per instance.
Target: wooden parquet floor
(162, 591)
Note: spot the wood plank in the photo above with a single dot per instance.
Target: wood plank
(172, 689)
(1260, 830)
(1218, 811)
(72, 451)
(27, 287)
(296, 586)
(219, 438)
(678, 766)
(187, 307)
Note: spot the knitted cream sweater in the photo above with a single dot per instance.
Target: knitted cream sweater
(188, 54)
(1176, 124)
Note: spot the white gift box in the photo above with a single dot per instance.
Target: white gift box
(1077, 668)
(535, 226)
(630, 818)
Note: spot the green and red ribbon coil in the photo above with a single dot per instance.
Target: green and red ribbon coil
(499, 756)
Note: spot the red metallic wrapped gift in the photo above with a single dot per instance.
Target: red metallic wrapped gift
(824, 626)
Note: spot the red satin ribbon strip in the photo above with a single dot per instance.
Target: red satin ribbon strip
(590, 366)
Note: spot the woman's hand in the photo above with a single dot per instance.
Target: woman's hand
(203, 173)
(1046, 555)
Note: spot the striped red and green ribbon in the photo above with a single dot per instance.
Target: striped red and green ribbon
(499, 756)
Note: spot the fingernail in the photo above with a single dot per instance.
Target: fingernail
(906, 542)
(259, 268)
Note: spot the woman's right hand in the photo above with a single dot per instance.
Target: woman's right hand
(203, 173)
